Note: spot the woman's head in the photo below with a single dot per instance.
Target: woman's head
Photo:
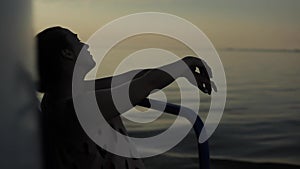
(57, 51)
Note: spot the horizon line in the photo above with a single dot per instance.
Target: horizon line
(231, 49)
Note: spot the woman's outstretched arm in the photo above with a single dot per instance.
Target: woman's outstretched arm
(122, 97)
(106, 82)
(114, 81)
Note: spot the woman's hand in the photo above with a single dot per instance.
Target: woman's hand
(201, 74)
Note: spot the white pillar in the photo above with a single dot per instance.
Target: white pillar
(19, 140)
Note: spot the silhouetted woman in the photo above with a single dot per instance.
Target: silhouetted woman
(66, 145)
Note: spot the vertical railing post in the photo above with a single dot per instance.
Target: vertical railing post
(203, 148)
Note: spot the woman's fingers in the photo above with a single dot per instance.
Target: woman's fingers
(206, 72)
(202, 74)
(207, 68)
(203, 67)
(203, 83)
(213, 85)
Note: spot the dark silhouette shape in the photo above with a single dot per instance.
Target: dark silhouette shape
(66, 145)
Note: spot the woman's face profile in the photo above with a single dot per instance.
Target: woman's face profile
(76, 48)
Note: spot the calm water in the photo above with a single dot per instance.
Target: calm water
(261, 121)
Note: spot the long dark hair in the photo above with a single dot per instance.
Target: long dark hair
(50, 43)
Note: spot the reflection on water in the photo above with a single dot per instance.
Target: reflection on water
(261, 118)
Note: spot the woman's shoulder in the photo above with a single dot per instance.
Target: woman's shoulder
(50, 103)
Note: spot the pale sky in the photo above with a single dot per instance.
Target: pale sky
(273, 24)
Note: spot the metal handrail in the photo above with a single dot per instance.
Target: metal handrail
(189, 114)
